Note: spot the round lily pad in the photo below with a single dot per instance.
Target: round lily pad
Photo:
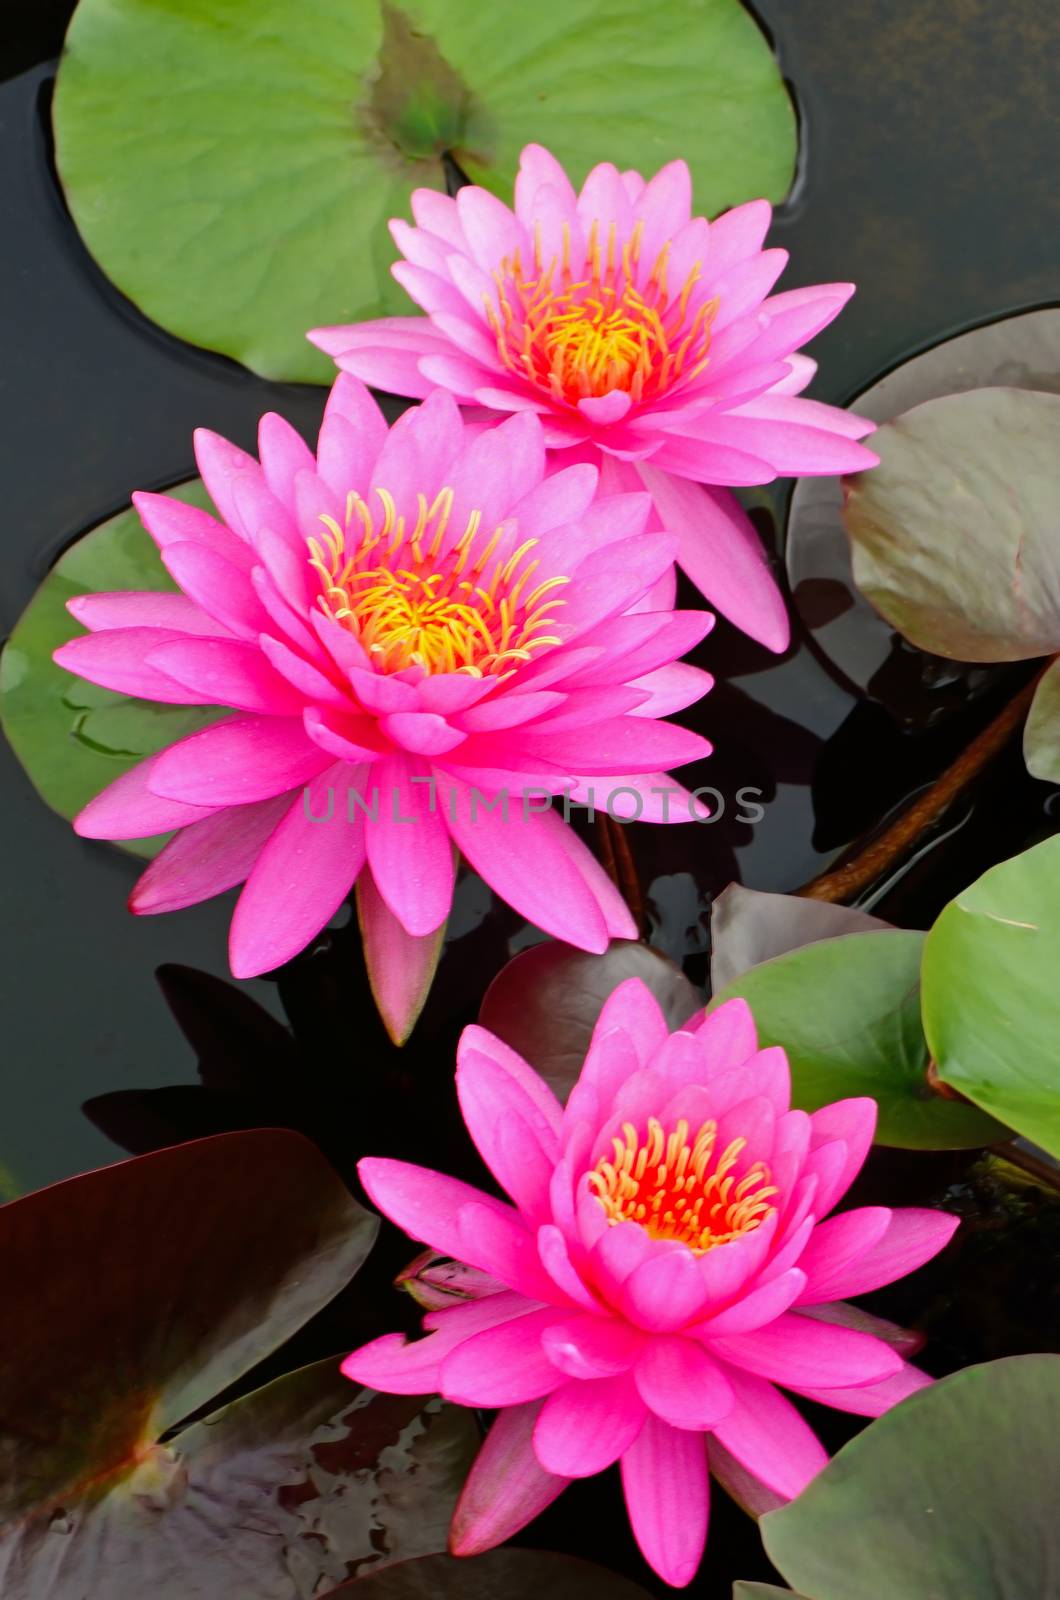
(1041, 733)
(950, 1495)
(992, 997)
(232, 166)
(74, 738)
(847, 1011)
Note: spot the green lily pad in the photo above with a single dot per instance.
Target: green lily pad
(232, 167)
(1041, 732)
(761, 1591)
(74, 738)
(847, 1011)
(955, 533)
(515, 1574)
(133, 1297)
(992, 993)
(950, 1495)
(546, 1001)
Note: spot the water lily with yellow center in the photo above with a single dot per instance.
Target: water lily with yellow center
(645, 338)
(667, 1265)
(420, 634)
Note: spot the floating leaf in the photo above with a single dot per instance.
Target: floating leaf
(545, 1003)
(72, 737)
(847, 1011)
(748, 927)
(1041, 732)
(1021, 352)
(132, 1297)
(513, 1574)
(249, 201)
(950, 1495)
(992, 996)
(954, 533)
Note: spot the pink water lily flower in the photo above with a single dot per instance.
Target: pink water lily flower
(421, 634)
(667, 1260)
(639, 333)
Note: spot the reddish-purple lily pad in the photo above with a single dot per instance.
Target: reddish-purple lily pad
(545, 1003)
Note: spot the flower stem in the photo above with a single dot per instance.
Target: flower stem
(617, 861)
(891, 846)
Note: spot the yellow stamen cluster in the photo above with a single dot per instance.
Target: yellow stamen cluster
(413, 599)
(585, 336)
(677, 1189)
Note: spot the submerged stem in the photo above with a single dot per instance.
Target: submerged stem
(882, 853)
(617, 861)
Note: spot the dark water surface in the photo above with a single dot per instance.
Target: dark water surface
(921, 177)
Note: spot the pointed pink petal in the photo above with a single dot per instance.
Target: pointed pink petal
(384, 353)
(503, 1366)
(836, 1245)
(737, 235)
(592, 1346)
(118, 660)
(170, 521)
(284, 454)
(227, 672)
(220, 588)
(797, 1350)
(352, 434)
(873, 1399)
(174, 613)
(221, 465)
(587, 1424)
(302, 876)
(401, 968)
(506, 1488)
(519, 1071)
(665, 1292)
(907, 1341)
(408, 848)
(492, 231)
(555, 1257)
(757, 1308)
(722, 554)
(528, 866)
(207, 857)
(513, 1138)
(239, 760)
(679, 1382)
(397, 1365)
(664, 1479)
(769, 1438)
(854, 1122)
(911, 1237)
(129, 809)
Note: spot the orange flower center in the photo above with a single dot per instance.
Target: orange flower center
(412, 598)
(677, 1189)
(584, 337)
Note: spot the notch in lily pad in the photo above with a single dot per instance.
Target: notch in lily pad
(249, 202)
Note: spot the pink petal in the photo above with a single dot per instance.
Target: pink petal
(227, 672)
(219, 587)
(603, 409)
(769, 1438)
(663, 208)
(400, 967)
(301, 878)
(586, 1425)
(408, 848)
(502, 1366)
(351, 436)
(239, 760)
(118, 660)
(221, 464)
(665, 1292)
(529, 867)
(174, 613)
(491, 230)
(207, 857)
(911, 1237)
(854, 1122)
(872, 1399)
(727, 1035)
(129, 809)
(397, 1365)
(506, 1488)
(722, 554)
(592, 1346)
(421, 733)
(170, 521)
(522, 1075)
(284, 454)
(907, 1341)
(761, 1306)
(310, 682)
(514, 1140)
(384, 353)
(615, 745)
(555, 1256)
(664, 1478)
(797, 1350)
(679, 1382)
(836, 1245)
(737, 235)
(538, 166)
